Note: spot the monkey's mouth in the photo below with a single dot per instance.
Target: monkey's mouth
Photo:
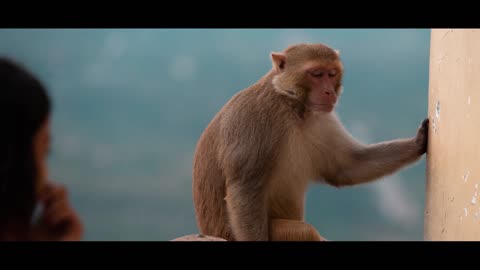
(324, 107)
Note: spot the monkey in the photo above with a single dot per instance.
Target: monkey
(256, 158)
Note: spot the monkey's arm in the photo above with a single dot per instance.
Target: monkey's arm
(245, 171)
(248, 215)
(368, 163)
(248, 156)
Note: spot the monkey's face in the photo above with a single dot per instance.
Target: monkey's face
(323, 86)
(317, 84)
(311, 74)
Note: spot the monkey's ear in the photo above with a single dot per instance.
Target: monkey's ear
(338, 52)
(278, 60)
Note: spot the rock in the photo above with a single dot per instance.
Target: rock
(198, 237)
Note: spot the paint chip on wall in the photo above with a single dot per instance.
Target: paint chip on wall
(465, 176)
(437, 109)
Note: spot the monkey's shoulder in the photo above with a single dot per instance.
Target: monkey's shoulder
(249, 113)
(257, 102)
(250, 130)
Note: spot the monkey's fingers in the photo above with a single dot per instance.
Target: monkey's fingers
(424, 125)
(422, 136)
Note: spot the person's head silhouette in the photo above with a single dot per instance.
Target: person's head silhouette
(24, 142)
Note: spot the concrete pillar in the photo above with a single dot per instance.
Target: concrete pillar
(452, 210)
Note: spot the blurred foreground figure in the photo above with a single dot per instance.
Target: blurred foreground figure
(24, 144)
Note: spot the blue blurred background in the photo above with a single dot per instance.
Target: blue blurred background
(130, 105)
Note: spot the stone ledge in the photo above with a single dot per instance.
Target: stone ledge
(198, 237)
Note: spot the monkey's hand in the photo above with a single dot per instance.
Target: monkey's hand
(421, 139)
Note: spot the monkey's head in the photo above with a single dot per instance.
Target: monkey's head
(309, 73)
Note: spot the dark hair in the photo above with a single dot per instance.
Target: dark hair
(24, 106)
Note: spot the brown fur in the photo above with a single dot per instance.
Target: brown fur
(293, 230)
(254, 161)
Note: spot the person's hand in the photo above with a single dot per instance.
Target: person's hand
(58, 221)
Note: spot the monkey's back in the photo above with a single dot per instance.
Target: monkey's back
(209, 181)
(209, 186)
(243, 137)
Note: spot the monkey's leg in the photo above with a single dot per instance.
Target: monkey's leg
(293, 230)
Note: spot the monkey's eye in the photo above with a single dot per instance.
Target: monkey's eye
(318, 73)
(332, 73)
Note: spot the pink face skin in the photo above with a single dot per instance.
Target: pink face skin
(322, 96)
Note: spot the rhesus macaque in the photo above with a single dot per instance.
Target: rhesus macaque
(255, 159)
